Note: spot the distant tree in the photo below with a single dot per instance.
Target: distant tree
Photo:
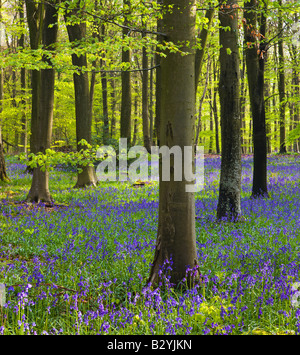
(203, 37)
(229, 203)
(104, 94)
(295, 90)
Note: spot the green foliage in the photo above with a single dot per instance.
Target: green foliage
(51, 158)
(294, 134)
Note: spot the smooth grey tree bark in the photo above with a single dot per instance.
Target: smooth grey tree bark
(77, 32)
(255, 62)
(176, 237)
(42, 20)
(229, 202)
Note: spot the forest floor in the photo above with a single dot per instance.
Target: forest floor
(80, 267)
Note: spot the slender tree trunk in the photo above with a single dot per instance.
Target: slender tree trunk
(3, 175)
(215, 107)
(255, 70)
(96, 36)
(23, 85)
(126, 84)
(243, 105)
(268, 111)
(229, 203)
(14, 105)
(201, 102)
(135, 129)
(158, 83)
(105, 109)
(203, 36)
(291, 116)
(281, 82)
(145, 102)
(92, 88)
(104, 97)
(113, 108)
(211, 122)
(176, 239)
(295, 115)
(77, 32)
(23, 105)
(151, 103)
(275, 110)
(216, 118)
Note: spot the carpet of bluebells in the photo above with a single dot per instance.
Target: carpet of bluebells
(82, 266)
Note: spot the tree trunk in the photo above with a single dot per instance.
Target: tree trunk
(135, 124)
(176, 239)
(211, 119)
(255, 70)
(158, 83)
(268, 111)
(35, 15)
(229, 203)
(203, 36)
(201, 102)
(3, 175)
(113, 108)
(296, 116)
(14, 105)
(215, 108)
(243, 106)
(151, 103)
(295, 92)
(77, 32)
(23, 86)
(96, 36)
(281, 83)
(126, 85)
(39, 191)
(145, 103)
(104, 96)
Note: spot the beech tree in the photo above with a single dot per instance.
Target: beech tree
(255, 61)
(3, 175)
(125, 120)
(281, 82)
(145, 104)
(176, 237)
(77, 33)
(42, 21)
(229, 202)
(158, 81)
(23, 83)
